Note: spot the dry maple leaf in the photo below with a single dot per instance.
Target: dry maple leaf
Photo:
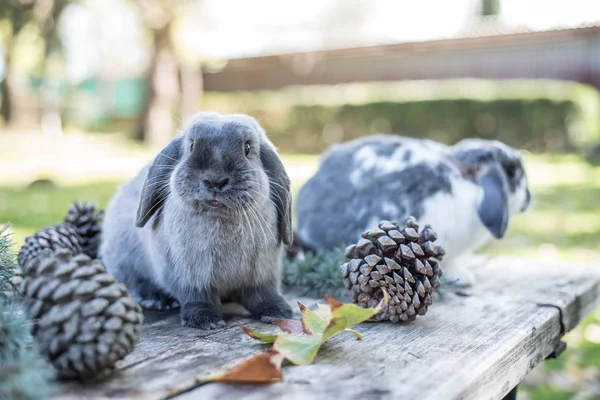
(299, 341)
(262, 368)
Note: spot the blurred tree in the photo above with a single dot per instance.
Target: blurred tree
(490, 7)
(17, 14)
(156, 124)
(47, 14)
(190, 54)
(14, 14)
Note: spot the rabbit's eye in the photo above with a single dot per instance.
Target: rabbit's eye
(247, 148)
(192, 146)
(511, 171)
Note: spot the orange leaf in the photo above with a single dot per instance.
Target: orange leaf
(333, 303)
(262, 368)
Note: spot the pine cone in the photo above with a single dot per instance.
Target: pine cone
(83, 318)
(87, 221)
(401, 262)
(59, 236)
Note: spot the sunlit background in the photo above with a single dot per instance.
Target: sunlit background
(91, 89)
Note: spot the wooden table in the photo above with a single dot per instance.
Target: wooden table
(467, 347)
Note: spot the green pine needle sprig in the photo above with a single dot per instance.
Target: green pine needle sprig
(316, 274)
(8, 265)
(24, 374)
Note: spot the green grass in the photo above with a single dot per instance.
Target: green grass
(30, 209)
(547, 393)
(563, 223)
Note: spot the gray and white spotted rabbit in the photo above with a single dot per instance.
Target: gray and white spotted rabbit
(206, 220)
(467, 192)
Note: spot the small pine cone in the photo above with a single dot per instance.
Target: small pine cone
(400, 261)
(83, 318)
(59, 236)
(87, 221)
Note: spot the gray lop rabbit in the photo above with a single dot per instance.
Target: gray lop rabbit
(206, 220)
(467, 192)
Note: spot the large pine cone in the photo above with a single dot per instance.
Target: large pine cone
(87, 221)
(59, 236)
(401, 262)
(83, 318)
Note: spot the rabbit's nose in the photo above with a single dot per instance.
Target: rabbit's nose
(216, 184)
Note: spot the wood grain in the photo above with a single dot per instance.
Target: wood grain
(467, 347)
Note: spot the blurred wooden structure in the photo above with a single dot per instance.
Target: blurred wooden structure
(488, 50)
(478, 345)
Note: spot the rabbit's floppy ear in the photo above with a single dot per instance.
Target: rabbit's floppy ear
(279, 188)
(493, 209)
(155, 189)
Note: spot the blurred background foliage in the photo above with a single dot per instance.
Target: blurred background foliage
(89, 89)
(532, 115)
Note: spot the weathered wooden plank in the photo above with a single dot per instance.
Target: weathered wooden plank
(169, 357)
(466, 347)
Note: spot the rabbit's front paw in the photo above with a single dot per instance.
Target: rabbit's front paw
(280, 309)
(266, 306)
(195, 316)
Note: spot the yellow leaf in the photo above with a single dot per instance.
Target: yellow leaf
(300, 350)
(313, 322)
(263, 337)
(344, 316)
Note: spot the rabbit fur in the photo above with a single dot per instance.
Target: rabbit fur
(205, 221)
(466, 192)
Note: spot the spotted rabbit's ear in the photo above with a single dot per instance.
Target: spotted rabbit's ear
(493, 207)
(156, 186)
(280, 191)
(481, 161)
